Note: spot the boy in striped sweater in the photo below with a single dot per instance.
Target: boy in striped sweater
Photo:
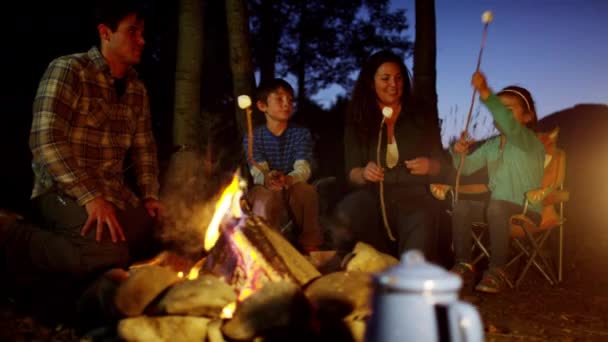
(283, 153)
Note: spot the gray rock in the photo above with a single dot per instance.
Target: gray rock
(163, 329)
(142, 287)
(205, 296)
(276, 305)
(366, 258)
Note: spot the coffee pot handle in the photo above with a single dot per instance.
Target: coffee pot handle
(465, 323)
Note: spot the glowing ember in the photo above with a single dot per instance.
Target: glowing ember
(228, 311)
(193, 274)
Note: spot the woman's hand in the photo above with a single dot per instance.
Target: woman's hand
(462, 145)
(423, 166)
(373, 173)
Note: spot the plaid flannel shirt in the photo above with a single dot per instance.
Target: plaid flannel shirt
(81, 132)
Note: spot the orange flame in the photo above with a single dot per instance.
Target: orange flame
(229, 202)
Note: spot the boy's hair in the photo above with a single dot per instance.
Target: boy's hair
(525, 98)
(111, 12)
(267, 87)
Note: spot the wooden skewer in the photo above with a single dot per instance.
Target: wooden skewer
(386, 112)
(245, 103)
(466, 128)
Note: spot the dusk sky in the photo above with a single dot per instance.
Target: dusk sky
(558, 49)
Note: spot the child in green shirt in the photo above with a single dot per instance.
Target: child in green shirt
(514, 161)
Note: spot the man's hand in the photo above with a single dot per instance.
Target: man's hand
(102, 212)
(423, 166)
(154, 207)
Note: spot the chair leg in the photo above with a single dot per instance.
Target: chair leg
(524, 251)
(478, 242)
(532, 258)
(560, 252)
(548, 266)
(518, 256)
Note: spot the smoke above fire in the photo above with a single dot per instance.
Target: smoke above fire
(190, 192)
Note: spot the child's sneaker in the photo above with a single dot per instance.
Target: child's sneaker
(462, 268)
(493, 281)
(465, 271)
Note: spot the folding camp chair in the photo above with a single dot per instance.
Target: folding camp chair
(528, 238)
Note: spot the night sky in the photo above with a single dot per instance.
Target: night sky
(558, 49)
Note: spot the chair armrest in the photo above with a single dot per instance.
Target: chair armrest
(325, 181)
(547, 196)
(440, 191)
(556, 197)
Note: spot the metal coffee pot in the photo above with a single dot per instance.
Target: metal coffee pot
(418, 301)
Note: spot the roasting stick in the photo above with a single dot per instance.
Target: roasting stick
(387, 113)
(244, 102)
(486, 18)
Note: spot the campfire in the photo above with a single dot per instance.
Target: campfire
(251, 283)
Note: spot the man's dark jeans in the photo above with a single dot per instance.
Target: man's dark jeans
(55, 245)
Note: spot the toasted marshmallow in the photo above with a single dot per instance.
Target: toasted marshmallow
(487, 17)
(244, 101)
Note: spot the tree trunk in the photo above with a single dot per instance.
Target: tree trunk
(425, 60)
(270, 32)
(187, 107)
(240, 55)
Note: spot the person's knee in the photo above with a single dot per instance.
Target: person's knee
(497, 211)
(303, 192)
(260, 194)
(461, 208)
(264, 200)
(103, 255)
(423, 218)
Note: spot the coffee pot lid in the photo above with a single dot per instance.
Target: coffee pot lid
(414, 273)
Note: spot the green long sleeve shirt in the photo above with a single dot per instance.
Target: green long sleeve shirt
(516, 167)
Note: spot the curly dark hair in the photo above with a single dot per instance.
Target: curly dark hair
(363, 113)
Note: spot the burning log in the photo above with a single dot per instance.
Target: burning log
(250, 254)
(246, 252)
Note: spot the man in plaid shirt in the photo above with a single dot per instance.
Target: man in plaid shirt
(90, 112)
